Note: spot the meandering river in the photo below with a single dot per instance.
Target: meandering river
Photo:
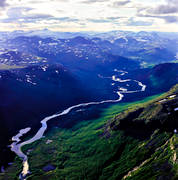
(17, 145)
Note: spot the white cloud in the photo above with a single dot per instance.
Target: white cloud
(167, 11)
(96, 15)
(3, 3)
(120, 3)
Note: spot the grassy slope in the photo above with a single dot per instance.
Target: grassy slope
(85, 152)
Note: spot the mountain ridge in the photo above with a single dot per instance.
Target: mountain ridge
(115, 148)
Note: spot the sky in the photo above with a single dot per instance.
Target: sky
(89, 15)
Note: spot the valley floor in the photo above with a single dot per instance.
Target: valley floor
(136, 141)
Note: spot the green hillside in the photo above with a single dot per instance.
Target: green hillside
(129, 141)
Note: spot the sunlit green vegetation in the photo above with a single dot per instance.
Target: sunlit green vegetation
(88, 152)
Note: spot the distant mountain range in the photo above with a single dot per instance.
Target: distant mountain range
(44, 72)
(145, 47)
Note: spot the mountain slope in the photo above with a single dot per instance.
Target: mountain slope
(29, 94)
(128, 141)
(157, 78)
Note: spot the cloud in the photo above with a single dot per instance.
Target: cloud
(133, 22)
(172, 1)
(162, 9)
(169, 7)
(3, 3)
(170, 19)
(20, 15)
(167, 19)
(93, 1)
(115, 18)
(66, 19)
(76, 15)
(166, 11)
(38, 16)
(98, 20)
(42, 1)
(120, 3)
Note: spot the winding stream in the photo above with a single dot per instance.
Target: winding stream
(16, 146)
